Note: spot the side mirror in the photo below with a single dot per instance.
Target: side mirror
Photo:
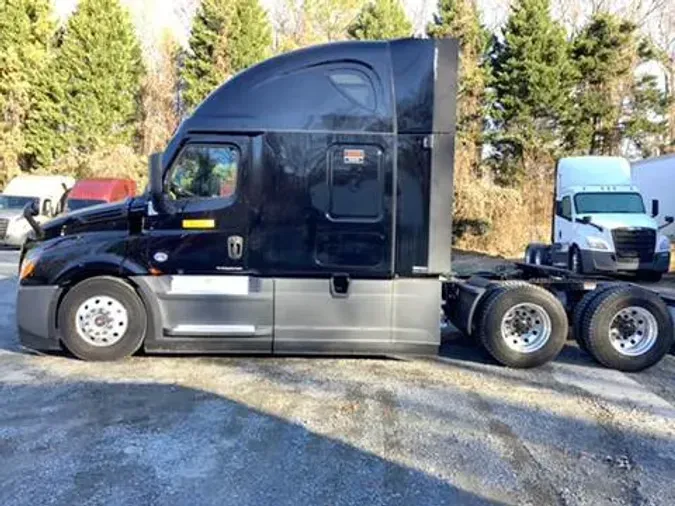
(156, 175)
(47, 209)
(586, 220)
(558, 208)
(655, 208)
(669, 220)
(156, 186)
(31, 210)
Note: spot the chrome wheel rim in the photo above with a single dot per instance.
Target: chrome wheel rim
(526, 328)
(101, 320)
(633, 331)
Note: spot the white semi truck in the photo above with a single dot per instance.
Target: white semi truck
(47, 193)
(602, 223)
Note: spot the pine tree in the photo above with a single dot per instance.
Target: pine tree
(604, 53)
(381, 20)
(614, 104)
(251, 38)
(26, 33)
(227, 36)
(460, 19)
(532, 80)
(91, 92)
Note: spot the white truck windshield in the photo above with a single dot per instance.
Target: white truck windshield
(597, 203)
(15, 202)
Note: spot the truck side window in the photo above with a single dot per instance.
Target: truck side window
(566, 208)
(355, 85)
(205, 171)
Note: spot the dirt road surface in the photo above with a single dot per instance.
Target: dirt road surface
(455, 429)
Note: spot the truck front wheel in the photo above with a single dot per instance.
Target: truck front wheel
(575, 263)
(102, 319)
(628, 329)
(522, 326)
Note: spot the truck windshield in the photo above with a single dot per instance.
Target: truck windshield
(14, 202)
(76, 204)
(596, 203)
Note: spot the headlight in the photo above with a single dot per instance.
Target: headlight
(664, 244)
(597, 243)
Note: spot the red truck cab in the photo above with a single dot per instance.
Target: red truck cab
(90, 192)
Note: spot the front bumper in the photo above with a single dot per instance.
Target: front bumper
(605, 261)
(13, 240)
(36, 317)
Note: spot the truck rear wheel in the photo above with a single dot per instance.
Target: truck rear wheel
(102, 319)
(628, 329)
(522, 325)
(580, 312)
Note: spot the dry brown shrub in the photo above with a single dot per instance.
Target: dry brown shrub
(506, 219)
(117, 161)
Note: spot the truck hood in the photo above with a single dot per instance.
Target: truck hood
(101, 217)
(10, 214)
(622, 220)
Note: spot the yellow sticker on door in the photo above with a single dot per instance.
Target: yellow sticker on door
(199, 223)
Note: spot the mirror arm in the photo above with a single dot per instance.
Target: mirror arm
(29, 212)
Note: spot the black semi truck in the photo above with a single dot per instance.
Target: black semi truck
(305, 207)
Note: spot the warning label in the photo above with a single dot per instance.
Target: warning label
(354, 156)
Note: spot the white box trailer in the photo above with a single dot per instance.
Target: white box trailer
(655, 177)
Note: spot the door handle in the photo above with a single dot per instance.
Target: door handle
(235, 247)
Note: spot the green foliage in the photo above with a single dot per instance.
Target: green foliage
(646, 126)
(381, 20)
(26, 31)
(532, 80)
(89, 96)
(459, 19)
(603, 53)
(227, 36)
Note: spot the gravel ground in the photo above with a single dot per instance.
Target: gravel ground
(292, 431)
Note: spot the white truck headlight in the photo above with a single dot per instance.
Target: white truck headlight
(664, 244)
(597, 243)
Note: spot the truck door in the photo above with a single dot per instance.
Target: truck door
(200, 246)
(563, 231)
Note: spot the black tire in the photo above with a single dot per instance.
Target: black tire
(537, 254)
(600, 314)
(580, 312)
(493, 291)
(131, 339)
(503, 299)
(649, 276)
(574, 263)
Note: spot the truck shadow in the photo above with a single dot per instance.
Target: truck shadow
(134, 443)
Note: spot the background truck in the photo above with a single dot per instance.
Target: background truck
(305, 207)
(601, 222)
(47, 193)
(95, 191)
(655, 178)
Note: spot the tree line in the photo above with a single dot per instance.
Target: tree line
(82, 98)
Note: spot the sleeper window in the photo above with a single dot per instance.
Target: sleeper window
(205, 171)
(355, 85)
